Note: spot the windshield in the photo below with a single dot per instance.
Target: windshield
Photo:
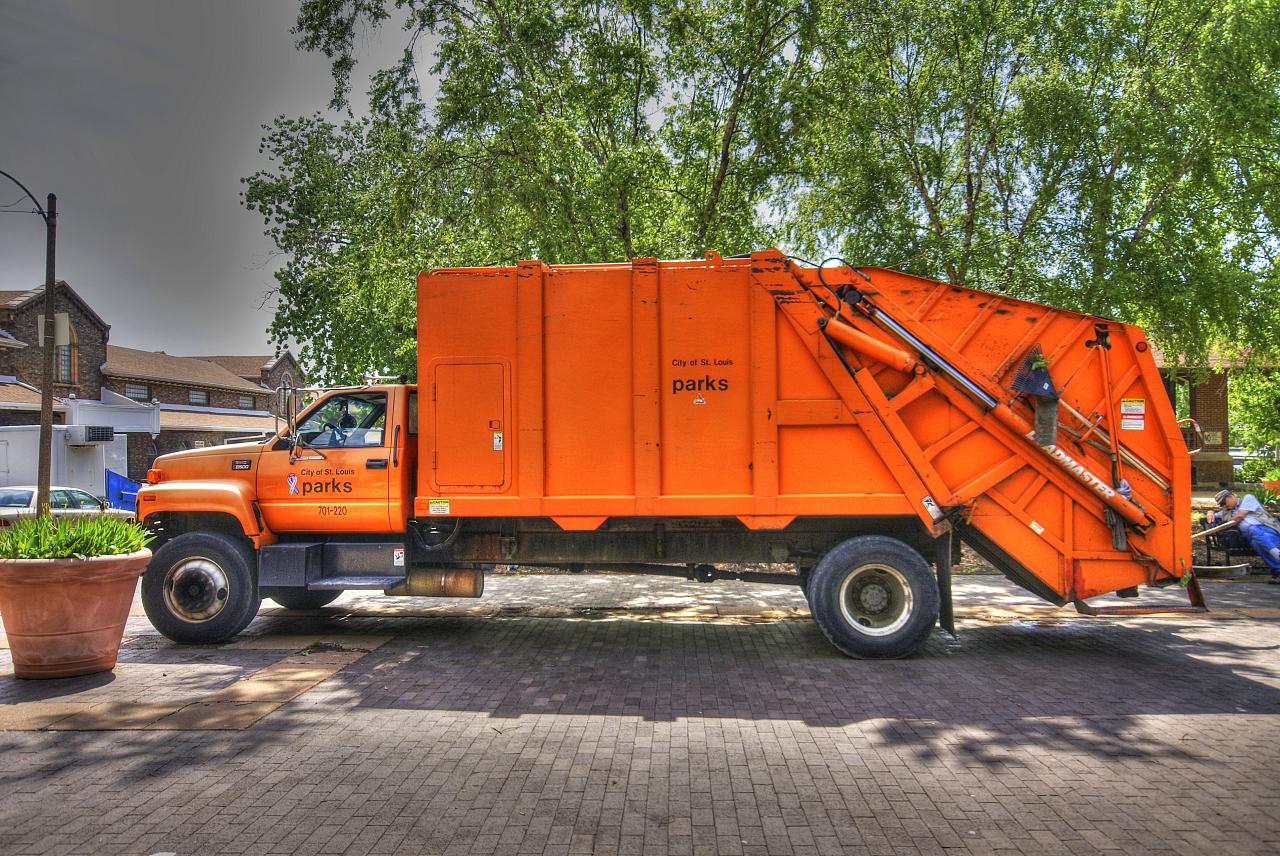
(15, 498)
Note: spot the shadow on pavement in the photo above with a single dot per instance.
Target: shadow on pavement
(1081, 686)
(1074, 685)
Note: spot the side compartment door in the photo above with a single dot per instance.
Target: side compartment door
(468, 429)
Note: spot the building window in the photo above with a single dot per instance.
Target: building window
(198, 397)
(246, 402)
(137, 391)
(64, 347)
(64, 364)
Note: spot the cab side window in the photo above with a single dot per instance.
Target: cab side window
(345, 421)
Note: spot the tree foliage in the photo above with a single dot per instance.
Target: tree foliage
(1120, 157)
(1112, 156)
(1254, 410)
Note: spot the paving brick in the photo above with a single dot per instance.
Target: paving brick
(714, 720)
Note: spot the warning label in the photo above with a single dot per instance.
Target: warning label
(438, 506)
(1133, 406)
(1130, 422)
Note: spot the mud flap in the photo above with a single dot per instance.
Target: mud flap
(942, 565)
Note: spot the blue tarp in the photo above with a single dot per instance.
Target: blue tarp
(121, 492)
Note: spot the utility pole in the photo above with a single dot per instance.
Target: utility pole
(44, 475)
(50, 217)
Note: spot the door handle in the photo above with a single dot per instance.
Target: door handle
(376, 464)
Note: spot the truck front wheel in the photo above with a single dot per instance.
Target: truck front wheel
(874, 597)
(200, 588)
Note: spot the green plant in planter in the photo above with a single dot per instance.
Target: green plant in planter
(71, 538)
(1267, 497)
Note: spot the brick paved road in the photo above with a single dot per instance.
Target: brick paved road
(732, 731)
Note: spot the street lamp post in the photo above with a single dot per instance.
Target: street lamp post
(49, 214)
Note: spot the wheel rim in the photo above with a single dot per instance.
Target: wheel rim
(875, 599)
(196, 589)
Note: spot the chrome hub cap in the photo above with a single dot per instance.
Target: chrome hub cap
(875, 599)
(195, 589)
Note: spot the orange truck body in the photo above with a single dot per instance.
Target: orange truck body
(599, 414)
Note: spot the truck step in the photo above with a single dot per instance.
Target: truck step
(355, 582)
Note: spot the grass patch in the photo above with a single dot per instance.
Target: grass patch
(71, 538)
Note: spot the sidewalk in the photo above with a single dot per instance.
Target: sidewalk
(616, 714)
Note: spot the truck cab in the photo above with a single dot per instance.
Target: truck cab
(325, 499)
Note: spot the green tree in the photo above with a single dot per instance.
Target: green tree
(1120, 157)
(1113, 156)
(566, 130)
(1254, 402)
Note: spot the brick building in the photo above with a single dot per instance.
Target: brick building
(80, 336)
(270, 373)
(1203, 397)
(201, 403)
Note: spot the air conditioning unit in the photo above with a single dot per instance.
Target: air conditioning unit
(89, 435)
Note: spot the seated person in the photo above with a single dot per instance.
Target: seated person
(1257, 525)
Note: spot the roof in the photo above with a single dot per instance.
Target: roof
(246, 367)
(187, 420)
(250, 367)
(1217, 360)
(159, 366)
(18, 393)
(13, 300)
(8, 340)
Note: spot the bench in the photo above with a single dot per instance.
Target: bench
(1229, 543)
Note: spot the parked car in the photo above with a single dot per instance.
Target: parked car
(20, 501)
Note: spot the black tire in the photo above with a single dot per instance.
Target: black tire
(874, 597)
(806, 573)
(296, 598)
(201, 588)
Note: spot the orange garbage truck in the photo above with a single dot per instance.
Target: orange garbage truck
(840, 428)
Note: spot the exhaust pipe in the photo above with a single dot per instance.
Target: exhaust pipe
(440, 582)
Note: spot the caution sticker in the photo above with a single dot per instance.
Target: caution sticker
(1133, 406)
(397, 557)
(438, 506)
(1130, 422)
(497, 441)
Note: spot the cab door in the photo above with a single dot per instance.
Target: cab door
(337, 477)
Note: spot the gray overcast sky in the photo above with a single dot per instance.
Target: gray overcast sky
(142, 116)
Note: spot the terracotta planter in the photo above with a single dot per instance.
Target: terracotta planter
(1272, 485)
(65, 617)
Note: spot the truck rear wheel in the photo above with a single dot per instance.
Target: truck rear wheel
(200, 588)
(874, 597)
(296, 598)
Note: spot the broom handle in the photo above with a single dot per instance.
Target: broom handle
(1220, 527)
